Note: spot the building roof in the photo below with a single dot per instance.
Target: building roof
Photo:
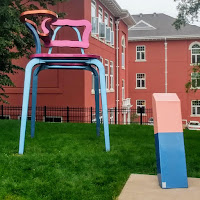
(159, 27)
(118, 12)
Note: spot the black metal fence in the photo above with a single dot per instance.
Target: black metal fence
(80, 115)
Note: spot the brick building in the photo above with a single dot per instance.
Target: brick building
(161, 59)
(142, 54)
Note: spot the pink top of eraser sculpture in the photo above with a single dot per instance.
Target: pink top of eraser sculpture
(167, 113)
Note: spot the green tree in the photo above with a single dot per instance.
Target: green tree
(15, 39)
(188, 11)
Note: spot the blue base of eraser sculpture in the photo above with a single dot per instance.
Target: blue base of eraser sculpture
(171, 162)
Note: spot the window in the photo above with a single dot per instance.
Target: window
(102, 26)
(111, 23)
(140, 104)
(111, 76)
(123, 89)
(112, 32)
(195, 80)
(106, 18)
(5, 117)
(140, 80)
(100, 14)
(94, 19)
(53, 119)
(195, 107)
(195, 54)
(140, 53)
(123, 52)
(107, 73)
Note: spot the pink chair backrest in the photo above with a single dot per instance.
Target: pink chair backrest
(68, 43)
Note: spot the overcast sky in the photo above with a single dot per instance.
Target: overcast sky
(167, 7)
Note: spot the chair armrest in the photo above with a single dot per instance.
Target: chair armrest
(46, 37)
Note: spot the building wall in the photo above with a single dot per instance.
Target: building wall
(178, 73)
(74, 87)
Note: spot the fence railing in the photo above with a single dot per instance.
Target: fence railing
(80, 115)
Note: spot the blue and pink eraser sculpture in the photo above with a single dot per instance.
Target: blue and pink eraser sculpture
(169, 141)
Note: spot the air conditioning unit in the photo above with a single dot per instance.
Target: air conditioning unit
(95, 25)
(102, 30)
(108, 34)
(112, 38)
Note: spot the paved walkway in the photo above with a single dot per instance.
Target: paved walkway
(146, 187)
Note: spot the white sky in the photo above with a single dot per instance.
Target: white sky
(167, 7)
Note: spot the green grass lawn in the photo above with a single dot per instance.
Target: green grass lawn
(68, 162)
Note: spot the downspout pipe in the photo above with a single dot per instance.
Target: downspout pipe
(166, 69)
(117, 61)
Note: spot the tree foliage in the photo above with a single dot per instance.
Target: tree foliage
(188, 11)
(15, 39)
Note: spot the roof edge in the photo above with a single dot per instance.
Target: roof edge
(118, 12)
(172, 37)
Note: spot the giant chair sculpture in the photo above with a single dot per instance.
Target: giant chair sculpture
(59, 61)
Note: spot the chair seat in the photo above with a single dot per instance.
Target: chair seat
(65, 56)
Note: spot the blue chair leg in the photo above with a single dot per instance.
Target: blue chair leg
(103, 99)
(34, 99)
(27, 82)
(96, 79)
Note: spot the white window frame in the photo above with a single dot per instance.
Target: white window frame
(112, 76)
(194, 108)
(140, 104)
(106, 18)
(123, 89)
(195, 55)
(140, 52)
(111, 24)
(123, 43)
(195, 78)
(94, 18)
(100, 14)
(140, 79)
(107, 74)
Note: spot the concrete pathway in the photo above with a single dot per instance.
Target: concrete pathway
(146, 187)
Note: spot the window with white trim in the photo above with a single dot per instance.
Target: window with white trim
(106, 18)
(195, 80)
(111, 23)
(111, 76)
(140, 104)
(107, 73)
(123, 52)
(94, 19)
(100, 14)
(140, 80)
(195, 107)
(140, 53)
(102, 26)
(123, 89)
(112, 31)
(195, 54)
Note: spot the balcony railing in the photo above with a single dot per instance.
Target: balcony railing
(126, 102)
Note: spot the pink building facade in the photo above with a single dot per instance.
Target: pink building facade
(161, 61)
(109, 39)
(142, 55)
